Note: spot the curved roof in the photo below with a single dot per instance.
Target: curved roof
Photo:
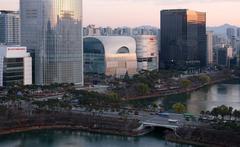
(112, 44)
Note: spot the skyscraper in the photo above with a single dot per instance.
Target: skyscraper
(183, 39)
(52, 31)
(238, 32)
(209, 48)
(230, 33)
(9, 28)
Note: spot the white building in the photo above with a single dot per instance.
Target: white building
(110, 55)
(147, 52)
(15, 66)
(209, 48)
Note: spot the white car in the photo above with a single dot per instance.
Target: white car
(172, 121)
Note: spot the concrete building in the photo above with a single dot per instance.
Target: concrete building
(147, 52)
(110, 55)
(92, 30)
(209, 48)
(15, 66)
(9, 27)
(106, 31)
(183, 39)
(145, 30)
(122, 31)
(52, 32)
(230, 33)
(238, 32)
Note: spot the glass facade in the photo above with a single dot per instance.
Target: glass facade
(13, 71)
(111, 56)
(94, 56)
(183, 39)
(9, 28)
(52, 31)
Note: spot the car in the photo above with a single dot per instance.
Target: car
(166, 115)
(172, 121)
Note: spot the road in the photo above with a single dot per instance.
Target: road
(146, 118)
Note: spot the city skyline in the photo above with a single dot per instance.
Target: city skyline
(149, 10)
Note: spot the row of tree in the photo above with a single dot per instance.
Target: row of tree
(223, 112)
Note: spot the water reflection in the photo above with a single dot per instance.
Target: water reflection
(222, 94)
(81, 139)
(227, 93)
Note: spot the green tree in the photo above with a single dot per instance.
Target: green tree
(223, 111)
(185, 83)
(205, 78)
(236, 114)
(230, 112)
(113, 97)
(143, 89)
(215, 112)
(179, 108)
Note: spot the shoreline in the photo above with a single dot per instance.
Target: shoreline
(182, 141)
(69, 127)
(177, 92)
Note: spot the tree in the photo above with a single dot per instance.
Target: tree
(186, 83)
(205, 78)
(179, 108)
(143, 89)
(155, 106)
(202, 113)
(236, 114)
(230, 112)
(113, 97)
(215, 112)
(223, 111)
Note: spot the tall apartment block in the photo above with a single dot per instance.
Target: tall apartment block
(9, 27)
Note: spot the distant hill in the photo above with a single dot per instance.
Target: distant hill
(221, 30)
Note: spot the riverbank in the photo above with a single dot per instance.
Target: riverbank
(202, 136)
(21, 122)
(170, 92)
(74, 128)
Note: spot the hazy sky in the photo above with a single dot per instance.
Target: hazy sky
(147, 12)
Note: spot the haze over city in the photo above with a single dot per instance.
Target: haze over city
(146, 12)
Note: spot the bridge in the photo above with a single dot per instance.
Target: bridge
(155, 125)
(172, 122)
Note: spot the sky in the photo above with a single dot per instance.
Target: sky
(147, 12)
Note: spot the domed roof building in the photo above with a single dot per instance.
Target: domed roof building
(110, 55)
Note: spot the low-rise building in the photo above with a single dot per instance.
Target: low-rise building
(110, 55)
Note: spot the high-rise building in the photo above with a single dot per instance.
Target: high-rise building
(209, 48)
(224, 55)
(92, 30)
(106, 31)
(183, 39)
(230, 33)
(9, 28)
(147, 52)
(238, 32)
(52, 31)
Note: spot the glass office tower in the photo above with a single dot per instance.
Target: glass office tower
(183, 39)
(52, 31)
